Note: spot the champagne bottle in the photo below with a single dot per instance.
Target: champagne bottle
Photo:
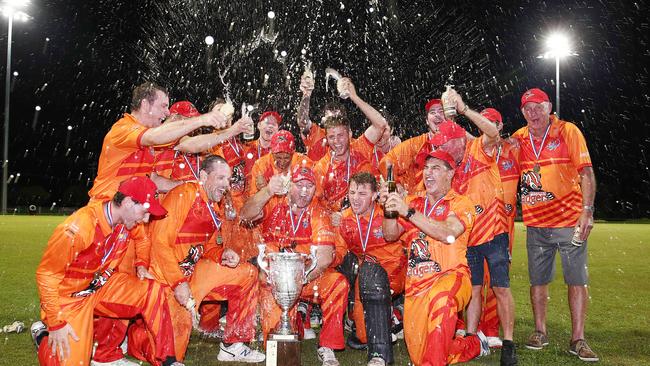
(448, 106)
(392, 187)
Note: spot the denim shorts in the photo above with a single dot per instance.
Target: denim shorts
(542, 244)
(496, 253)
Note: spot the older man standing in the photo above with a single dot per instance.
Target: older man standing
(557, 197)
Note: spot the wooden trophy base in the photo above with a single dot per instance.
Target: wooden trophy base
(283, 350)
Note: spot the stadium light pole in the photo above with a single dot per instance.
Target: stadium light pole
(558, 47)
(10, 10)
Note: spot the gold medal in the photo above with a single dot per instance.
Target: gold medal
(536, 168)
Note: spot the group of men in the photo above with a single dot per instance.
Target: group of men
(181, 201)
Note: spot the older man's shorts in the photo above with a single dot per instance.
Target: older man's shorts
(542, 244)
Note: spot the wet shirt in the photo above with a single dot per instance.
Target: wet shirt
(550, 184)
(172, 164)
(315, 142)
(408, 159)
(240, 157)
(509, 174)
(265, 167)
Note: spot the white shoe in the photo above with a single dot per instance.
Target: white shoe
(495, 342)
(239, 352)
(376, 361)
(37, 329)
(125, 345)
(460, 332)
(15, 327)
(485, 347)
(309, 334)
(326, 355)
(120, 362)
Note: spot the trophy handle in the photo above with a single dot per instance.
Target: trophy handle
(261, 248)
(314, 262)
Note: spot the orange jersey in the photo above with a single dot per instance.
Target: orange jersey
(187, 234)
(478, 178)
(375, 249)
(550, 185)
(408, 158)
(316, 142)
(509, 174)
(81, 255)
(122, 156)
(171, 164)
(240, 157)
(283, 230)
(265, 167)
(334, 175)
(429, 258)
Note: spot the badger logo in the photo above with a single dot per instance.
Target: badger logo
(238, 179)
(531, 188)
(419, 252)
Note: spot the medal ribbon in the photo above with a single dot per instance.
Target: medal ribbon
(364, 243)
(541, 147)
(195, 173)
(426, 204)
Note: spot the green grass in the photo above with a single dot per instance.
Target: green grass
(617, 323)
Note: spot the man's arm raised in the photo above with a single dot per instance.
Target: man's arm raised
(377, 121)
(174, 130)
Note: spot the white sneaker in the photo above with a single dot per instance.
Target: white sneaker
(485, 347)
(125, 345)
(15, 327)
(239, 352)
(37, 329)
(326, 355)
(120, 362)
(376, 361)
(309, 334)
(495, 342)
(460, 332)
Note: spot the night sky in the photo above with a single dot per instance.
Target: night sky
(398, 53)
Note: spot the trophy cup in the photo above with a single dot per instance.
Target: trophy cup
(286, 274)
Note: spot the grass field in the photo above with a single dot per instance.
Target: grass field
(618, 324)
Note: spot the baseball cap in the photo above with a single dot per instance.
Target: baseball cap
(273, 114)
(431, 103)
(444, 156)
(492, 114)
(447, 130)
(283, 141)
(184, 108)
(301, 173)
(534, 95)
(143, 190)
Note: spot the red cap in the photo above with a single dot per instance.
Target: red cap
(447, 130)
(273, 114)
(431, 103)
(283, 141)
(302, 172)
(492, 114)
(533, 95)
(444, 156)
(185, 109)
(143, 190)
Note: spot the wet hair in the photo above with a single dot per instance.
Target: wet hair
(332, 122)
(445, 163)
(334, 105)
(210, 161)
(216, 102)
(118, 198)
(146, 91)
(365, 178)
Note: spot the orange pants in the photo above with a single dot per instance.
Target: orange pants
(236, 285)
(430, 314)
(396, 271)
(330, 290)
(123, 296)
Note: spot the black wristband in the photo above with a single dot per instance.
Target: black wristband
(410, 213)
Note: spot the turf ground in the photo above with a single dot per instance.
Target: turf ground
(618, 323)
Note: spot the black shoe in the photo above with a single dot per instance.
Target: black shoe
(354, 343)
(508, 353)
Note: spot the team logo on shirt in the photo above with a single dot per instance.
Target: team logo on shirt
(420, 262)
(531, 188)
(193, 255)
(508, 208)
(238, 179)
(378, 233)
(305, 223)
(554, 144)
(507, 165)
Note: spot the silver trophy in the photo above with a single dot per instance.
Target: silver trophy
(286, 274)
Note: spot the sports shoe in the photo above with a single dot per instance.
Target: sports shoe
(495, 342)
(37, 329)
(460, 333)
(348, 325)
(485, 347)
(308, 333)
(581, 349)
(376, 361)
(316, 318)
(239, 352)
(537, 341)
(120, 362)
(354, 342)
(508, 354)
(326, 355)
(15, 327)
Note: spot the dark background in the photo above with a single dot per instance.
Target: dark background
(399, 55)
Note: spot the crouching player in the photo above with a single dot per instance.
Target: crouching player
(436, 228)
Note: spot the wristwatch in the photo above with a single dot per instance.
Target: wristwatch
(588, 208)
(410, 213)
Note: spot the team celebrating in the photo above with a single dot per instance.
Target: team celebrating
(413, 238)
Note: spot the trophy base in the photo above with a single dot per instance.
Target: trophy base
(283, 350)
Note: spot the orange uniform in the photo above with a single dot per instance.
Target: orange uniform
(550, 184)
(240, 157)
(184, 250)
(316, 142)
(265, 167)
(122, 156)
(335, 175)
(390, 256)
(408, 160)
(172, 164)
(437, 286)
(78, 279)
(282, 231)
(478, 178)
